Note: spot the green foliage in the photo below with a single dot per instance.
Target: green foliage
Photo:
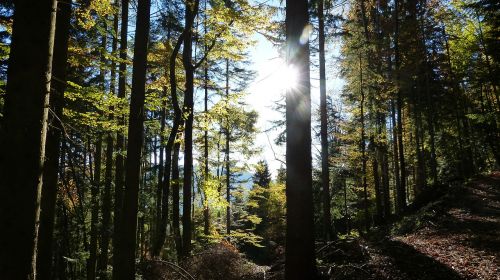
(268, 204)
(91, 107)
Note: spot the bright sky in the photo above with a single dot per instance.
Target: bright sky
(271, 83)
(264, 91)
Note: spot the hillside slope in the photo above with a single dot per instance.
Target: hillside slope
(455, 237)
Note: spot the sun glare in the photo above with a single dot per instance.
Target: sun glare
(286, 76)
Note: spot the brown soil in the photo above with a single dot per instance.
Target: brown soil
(457, 238)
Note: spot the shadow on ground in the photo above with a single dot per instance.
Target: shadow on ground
(414, 265)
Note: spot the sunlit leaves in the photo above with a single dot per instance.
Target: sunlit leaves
(88, 14)
(89, 106)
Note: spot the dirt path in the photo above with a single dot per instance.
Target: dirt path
(459, 239)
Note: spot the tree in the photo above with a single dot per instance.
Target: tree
(125, 267)
(191, 12)
(53, 145)
(102, 264)
(325, 170)
(120, 139)
(24, 135)
(262, 176)
(299, 254)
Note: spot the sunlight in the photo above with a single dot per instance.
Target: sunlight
(286, 77)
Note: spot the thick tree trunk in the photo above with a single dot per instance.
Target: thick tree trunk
(53, 145)
(124, 268)
(299, 253)
(24, 134)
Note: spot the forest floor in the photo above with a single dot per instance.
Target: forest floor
(454, 237)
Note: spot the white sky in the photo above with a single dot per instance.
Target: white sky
(263, 92)
(271, 83)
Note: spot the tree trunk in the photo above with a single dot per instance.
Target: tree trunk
(120, 139)
(24, 134)
(228, 152)
(160, 228)
(299, 253)
(106, 210)
(206, 176)
(102, 264)
(420, 175)
(53, 145)
(385, 178)
(91, 261)
(173, 159)
(175, 199)
(325, 170)
(401, 192)
(191, 11)
(125, 266)
(363, 147)
(397, 179)
(376, 178)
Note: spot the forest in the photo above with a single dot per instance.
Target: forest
(158, 139)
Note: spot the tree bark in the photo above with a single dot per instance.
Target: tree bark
(120, 139)
(385, 174)
(396, 158)
(124, 269)
(175, 199)
(227, 133)
(164, 186)
(53, 145)
(363, 147)
(206, 176)
(401, 192)
(325, 170)
(376, 178)
(299, 253)
(92, 260)
(160, 229)
(191, 11)
(172, 160)
(24, 134)
(108, 176)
